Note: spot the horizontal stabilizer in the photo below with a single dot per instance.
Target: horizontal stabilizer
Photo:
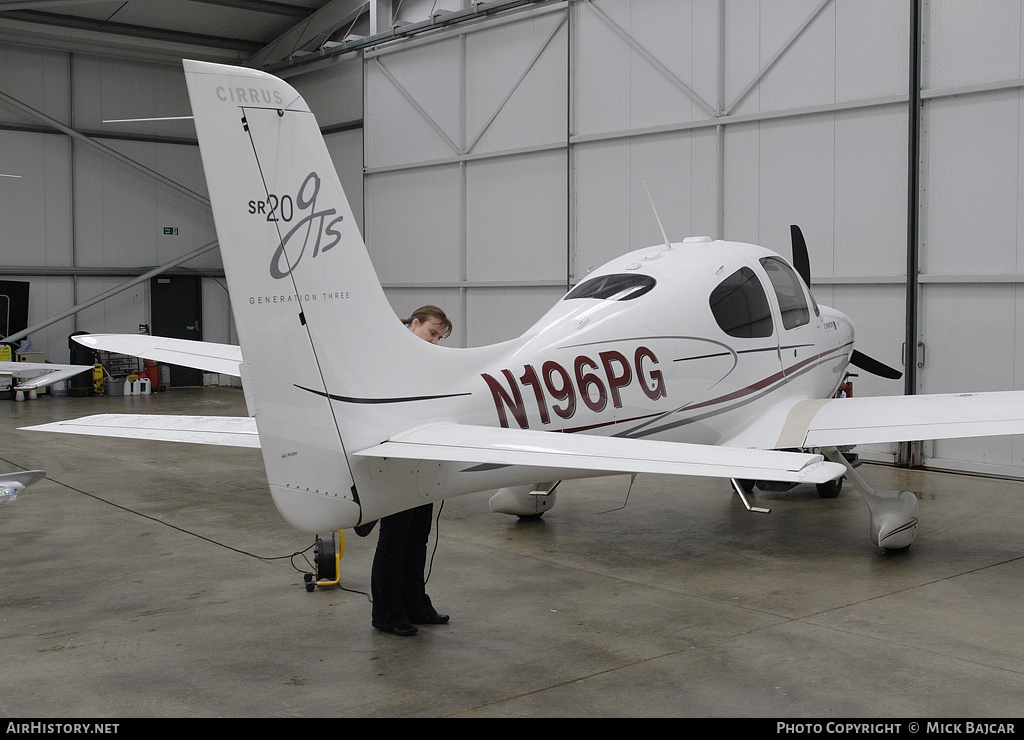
(229, 431)
(208, 356)
(850, 421)
(451, 442)
(31, 375)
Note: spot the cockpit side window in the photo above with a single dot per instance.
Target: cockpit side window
(791, 297)
(740, 306)
(617, 287)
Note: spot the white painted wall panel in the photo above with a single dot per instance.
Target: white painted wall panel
(346, 150)
(414, 224)
(971, 217)
(644, 65)
(872, 42)
(970, 43)
(966, 349)
(797, 185)
(870, 209)
(110, 89)
(412, 11)
(742, 55)
(741, 173)
(516, 85)
(805, 74)
(35, 207)
(121, 212)
(515, 232)
(38, 79)
(972, 184)
(414, 99)
(963, 352)
(334, 93)
(601, 93)
(843, 50)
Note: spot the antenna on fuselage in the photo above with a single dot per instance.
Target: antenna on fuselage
(656, 218)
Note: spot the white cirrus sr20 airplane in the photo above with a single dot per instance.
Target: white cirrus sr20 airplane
(700, 357)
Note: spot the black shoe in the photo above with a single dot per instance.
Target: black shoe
(404, 630)
(435, 618)
(364, 529)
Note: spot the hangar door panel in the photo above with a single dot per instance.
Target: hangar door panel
(413, 105)
(465, 144)
(643, 65)
(516, 233)
(972, 244)
(967, 347)
(516, 86)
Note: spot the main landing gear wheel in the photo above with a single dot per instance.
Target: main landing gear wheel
(830, 489)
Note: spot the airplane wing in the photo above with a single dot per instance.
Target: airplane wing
(463, 443)
(477, 445)
(849, 421)
(31, 375)
(208, 356)
(229, 431)
(809, 424)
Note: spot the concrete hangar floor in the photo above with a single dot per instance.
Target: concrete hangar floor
(146, 579)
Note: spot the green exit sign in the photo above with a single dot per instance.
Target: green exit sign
(170, 231)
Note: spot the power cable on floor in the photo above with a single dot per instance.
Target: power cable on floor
(290, 558)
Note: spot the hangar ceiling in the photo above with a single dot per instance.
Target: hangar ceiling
(268, 34)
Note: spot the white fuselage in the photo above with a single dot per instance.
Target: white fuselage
(661, 365)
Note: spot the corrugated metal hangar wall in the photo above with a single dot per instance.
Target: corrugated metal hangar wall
(499, 161)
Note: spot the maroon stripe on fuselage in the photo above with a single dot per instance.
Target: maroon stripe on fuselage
(739, 393)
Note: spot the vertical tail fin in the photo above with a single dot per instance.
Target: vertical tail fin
(311, 315)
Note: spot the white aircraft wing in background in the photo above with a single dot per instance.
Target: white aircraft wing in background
(208, 356)
(33, 375)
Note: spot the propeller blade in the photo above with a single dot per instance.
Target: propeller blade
(873, 366)
(801, 262)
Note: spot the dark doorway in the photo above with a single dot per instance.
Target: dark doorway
(177, 312)
(13, 307)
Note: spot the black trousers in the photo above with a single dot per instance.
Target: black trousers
(396, 580)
